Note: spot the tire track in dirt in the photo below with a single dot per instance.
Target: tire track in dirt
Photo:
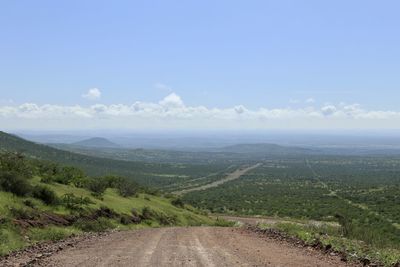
(188, 246)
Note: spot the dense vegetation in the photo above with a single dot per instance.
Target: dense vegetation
(362, 194)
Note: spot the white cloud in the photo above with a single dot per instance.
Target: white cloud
(92, 94)
(172, 101)
(171, 112)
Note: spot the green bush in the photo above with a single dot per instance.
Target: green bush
(15, 163)
(97, 185)
(70, 175)
(14, 183)
(147, 213)
(178, 203)
(73, 202)
(160, 217)
(127, 188)
(165, 219)
(29, 203)
(45, 194)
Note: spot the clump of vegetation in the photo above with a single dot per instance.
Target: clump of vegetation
(23, 213)
(160, 217)
(224, 223)
(52, 233)
(73, 202)
(178, 202)
(14, 183)
(45, 194)
(330, 237)
(97, 186)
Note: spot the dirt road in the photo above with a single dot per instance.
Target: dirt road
(194, 246)
(230, 177)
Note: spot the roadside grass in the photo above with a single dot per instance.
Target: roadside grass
(10, 239)
(330, 237)
(51, 233)
(111, 199)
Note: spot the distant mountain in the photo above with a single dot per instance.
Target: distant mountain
(96, 142)
(265, 148)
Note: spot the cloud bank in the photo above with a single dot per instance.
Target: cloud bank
(172, 113)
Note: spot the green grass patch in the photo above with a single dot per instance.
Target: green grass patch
(330, 236)
(10, 239)
(51, 233)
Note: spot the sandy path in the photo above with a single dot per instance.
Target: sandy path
(230, 177)
(194, 246)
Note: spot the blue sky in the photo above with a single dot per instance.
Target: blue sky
(217, 54)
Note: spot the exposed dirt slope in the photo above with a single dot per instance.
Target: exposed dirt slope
(195, 246)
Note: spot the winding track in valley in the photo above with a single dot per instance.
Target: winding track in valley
(230, 177)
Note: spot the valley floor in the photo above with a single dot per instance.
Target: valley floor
(190, 246)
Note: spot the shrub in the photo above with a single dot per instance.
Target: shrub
(98, 186)
(162, 218)
(45, 194)
(165, 219)
(75, 203)
(14, 183)
(178, 203)
(29, 203)
(127, 188)
(68, 175)
(15, 163)
(47, 170)
(126, 219)
(147, 213)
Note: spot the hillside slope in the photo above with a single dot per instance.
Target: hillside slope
(149, 174)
